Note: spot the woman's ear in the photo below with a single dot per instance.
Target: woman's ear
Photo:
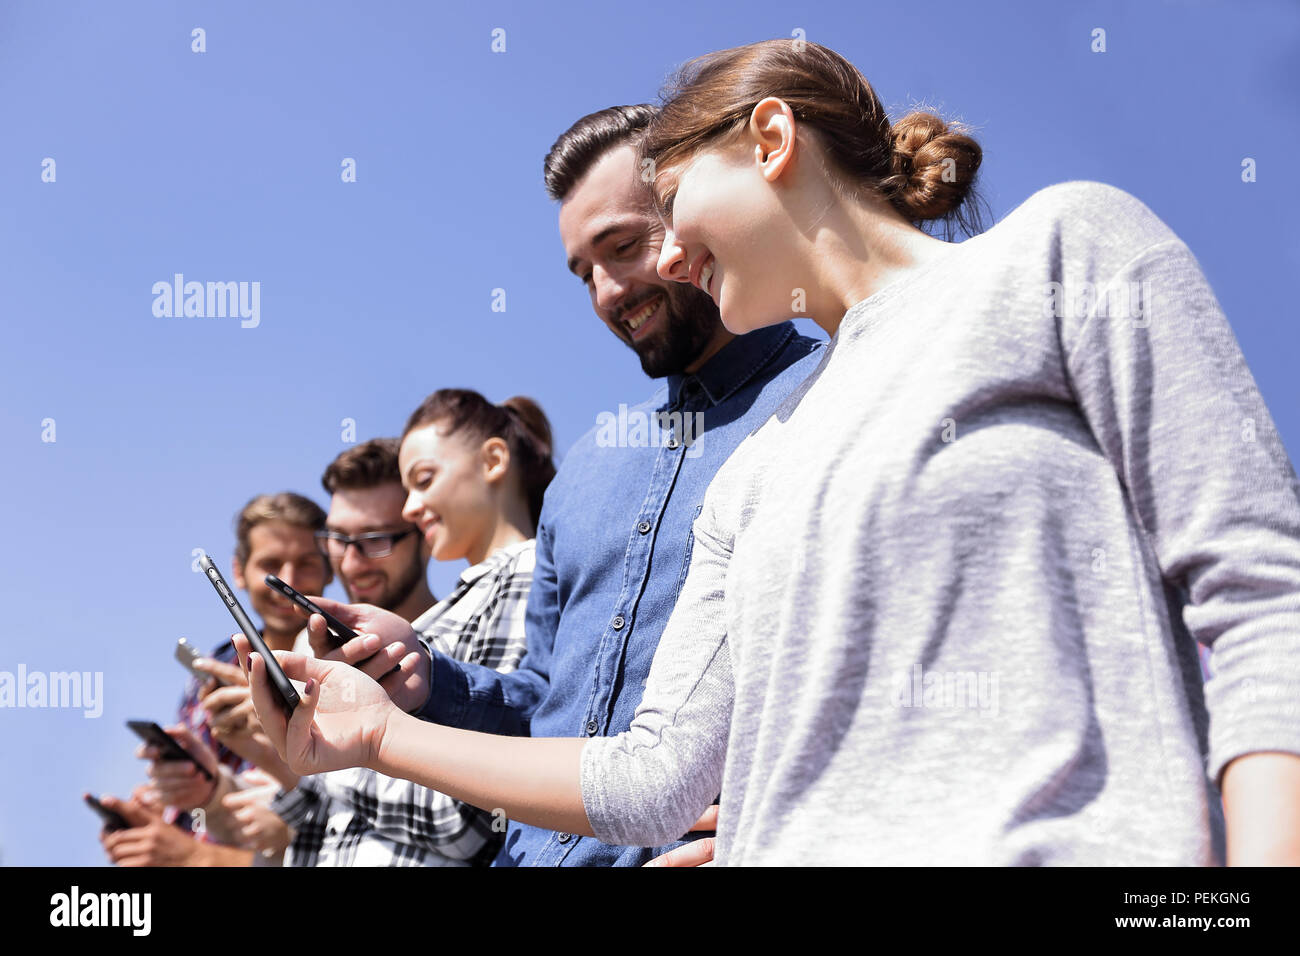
(495, 453)
(772, 127)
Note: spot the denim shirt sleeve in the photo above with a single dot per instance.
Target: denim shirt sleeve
(473, 697)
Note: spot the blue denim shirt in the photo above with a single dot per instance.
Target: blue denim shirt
(613, 546)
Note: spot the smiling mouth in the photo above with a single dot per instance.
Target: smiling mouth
(635, 321)
(281, 602)
(705, 279)
(427, 531)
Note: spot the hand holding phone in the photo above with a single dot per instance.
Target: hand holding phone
(287, 695)
(340, 633)
(168, 748)
(112, 819)
(187, 654)
(349, 713)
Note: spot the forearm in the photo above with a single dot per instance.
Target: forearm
(480, 698)
(213, 854)
(535, 781)
(1261, 805)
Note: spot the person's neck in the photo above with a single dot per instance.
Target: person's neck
(417, 602)
(513, 524)
(720, 339)
(858, 251)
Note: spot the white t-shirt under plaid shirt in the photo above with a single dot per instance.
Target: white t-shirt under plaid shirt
(357, 817)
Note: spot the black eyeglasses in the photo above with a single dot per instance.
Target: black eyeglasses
(373, 544)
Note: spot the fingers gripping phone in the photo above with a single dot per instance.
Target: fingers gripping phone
(112, 819)
(187, 654)
(285, 691)
(151, 733)
(340, 633)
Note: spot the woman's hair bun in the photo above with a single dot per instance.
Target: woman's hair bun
(934, 166)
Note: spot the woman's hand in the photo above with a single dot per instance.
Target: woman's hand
(396, 658)
(339, 722)
(237, 727)
(697, 852)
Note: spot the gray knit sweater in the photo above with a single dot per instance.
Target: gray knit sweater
(942, 605)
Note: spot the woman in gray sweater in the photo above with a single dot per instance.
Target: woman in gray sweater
(943, 606)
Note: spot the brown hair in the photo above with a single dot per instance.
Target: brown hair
(582, 144)
(287, 506)
(367, 465)
(519, 421)
(923, 166)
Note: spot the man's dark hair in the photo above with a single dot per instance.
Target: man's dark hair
(583, 143)
(368, 465)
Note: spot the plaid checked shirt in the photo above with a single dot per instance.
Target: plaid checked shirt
(357, 817)
(192, 715)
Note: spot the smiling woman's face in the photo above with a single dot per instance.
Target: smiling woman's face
(731, 230)
(448, 491)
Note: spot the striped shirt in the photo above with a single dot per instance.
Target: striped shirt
(357, 817)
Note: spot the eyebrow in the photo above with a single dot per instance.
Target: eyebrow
(381, 528)
(410, 470)
(598, 239)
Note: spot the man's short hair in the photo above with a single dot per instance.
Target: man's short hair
(587, 140)
(368, 465)
(289, 507)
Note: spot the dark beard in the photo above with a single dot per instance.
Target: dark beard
(393, 597)
(690, 322)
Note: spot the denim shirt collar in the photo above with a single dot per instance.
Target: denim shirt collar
(737, 362)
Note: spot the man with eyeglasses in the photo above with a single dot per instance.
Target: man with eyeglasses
(377, 554)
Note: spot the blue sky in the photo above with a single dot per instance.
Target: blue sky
(225, 166)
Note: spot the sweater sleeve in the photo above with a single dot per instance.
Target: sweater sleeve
(646, 786)
(1166, 391)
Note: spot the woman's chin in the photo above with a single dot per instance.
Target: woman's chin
(737, 324)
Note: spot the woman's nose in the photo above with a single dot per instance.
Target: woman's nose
(672, 259)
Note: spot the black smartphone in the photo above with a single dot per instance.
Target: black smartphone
(112, 819)
(340, 633)
(287, 694)
(151, 733)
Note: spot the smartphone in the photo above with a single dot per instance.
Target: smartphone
(187, 654)
(112, 819)
(151, 733)
(288, 696)
(339, 632)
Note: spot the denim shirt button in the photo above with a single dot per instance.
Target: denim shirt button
(618, 623)
(592, 727)
(563, 837)
(671, 442)
(644, 527)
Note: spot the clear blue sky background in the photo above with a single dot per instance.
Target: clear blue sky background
(225, 166)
